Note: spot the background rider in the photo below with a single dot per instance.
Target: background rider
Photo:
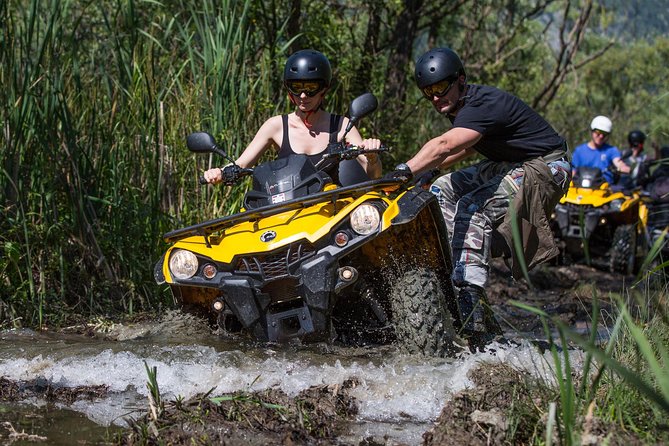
(597, 152)
(632, 156)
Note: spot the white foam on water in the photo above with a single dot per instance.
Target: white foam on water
(396, 388)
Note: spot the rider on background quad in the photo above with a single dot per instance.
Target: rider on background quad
(525, 158)
(657, 183)
(632, 156)
(308, 130)
(597, 152)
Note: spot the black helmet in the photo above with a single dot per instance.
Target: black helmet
(636, 137)
(664, 152)
(308, 65)
(436, 65)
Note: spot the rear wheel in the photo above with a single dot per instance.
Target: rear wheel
(623, 250)
(423, 324)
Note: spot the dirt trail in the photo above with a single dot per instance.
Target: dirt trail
(565, 292)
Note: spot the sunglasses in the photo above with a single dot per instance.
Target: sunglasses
(439, 89)
(600, 133)
(310, 88)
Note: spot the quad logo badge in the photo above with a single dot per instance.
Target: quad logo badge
(267, 236)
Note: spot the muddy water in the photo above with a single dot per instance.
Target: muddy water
(399, 396)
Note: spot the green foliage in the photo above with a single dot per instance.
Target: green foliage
(625, 84)
(98, 97)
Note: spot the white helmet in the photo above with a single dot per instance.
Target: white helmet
(601, 123)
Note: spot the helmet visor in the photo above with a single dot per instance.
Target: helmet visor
(439, 89)
(310, 88)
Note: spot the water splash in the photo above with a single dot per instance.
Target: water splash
(392, 387)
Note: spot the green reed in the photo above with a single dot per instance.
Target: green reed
(100, 98)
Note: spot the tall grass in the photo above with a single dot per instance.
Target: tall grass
(624, 381)
(96, 102)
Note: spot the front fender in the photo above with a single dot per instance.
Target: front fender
(158, 275)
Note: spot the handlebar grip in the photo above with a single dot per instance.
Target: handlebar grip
(202, 180)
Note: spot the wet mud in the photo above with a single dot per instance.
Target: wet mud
(315, 416)
(564, 292)
(504, 407)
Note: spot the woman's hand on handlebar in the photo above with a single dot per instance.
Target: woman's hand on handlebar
(227, 175)
(213, 176)
(370, 144)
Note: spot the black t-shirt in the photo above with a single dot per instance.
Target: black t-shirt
(511, 130)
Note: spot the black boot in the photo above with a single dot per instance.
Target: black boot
(475, 313)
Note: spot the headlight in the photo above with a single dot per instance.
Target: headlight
(365, 219)
(183, 264)
(615, 205)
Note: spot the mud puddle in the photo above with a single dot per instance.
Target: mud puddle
(37, 422)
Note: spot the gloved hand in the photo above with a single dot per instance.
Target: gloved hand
(230, 174)
(401, 172)
(424, 179)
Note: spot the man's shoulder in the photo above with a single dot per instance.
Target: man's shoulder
(490, 99)
(483, 91)
(608, 148)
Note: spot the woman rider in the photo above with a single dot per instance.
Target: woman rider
(309, 129)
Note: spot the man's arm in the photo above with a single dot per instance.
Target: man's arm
(444, 150)
(621, 166)
(457, 157)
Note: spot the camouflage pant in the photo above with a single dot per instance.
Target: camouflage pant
(474, 201)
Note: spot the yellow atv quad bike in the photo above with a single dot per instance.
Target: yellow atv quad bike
(601, 223)
(310, 259)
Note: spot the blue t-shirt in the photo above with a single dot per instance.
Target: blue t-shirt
(602, 158)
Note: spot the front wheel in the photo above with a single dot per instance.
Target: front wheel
(423, 324)
(623, 250)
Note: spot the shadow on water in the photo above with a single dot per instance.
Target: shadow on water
(398, 396)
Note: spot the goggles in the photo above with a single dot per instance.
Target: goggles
(439, 89)
(600, 132)
(310, 88)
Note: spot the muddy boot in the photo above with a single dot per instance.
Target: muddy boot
(471, 310)
(478, 322)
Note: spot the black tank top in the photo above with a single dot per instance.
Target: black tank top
(286, 149)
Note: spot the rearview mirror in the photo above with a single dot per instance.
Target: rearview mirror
(360, 107)
(201, 142)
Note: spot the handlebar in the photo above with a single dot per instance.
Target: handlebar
(349, 153)
(243, 172)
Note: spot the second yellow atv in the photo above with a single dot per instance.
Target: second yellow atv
(602, 224)
(310, 259)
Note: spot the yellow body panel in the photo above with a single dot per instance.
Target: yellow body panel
(312, 224)
(597, 197)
